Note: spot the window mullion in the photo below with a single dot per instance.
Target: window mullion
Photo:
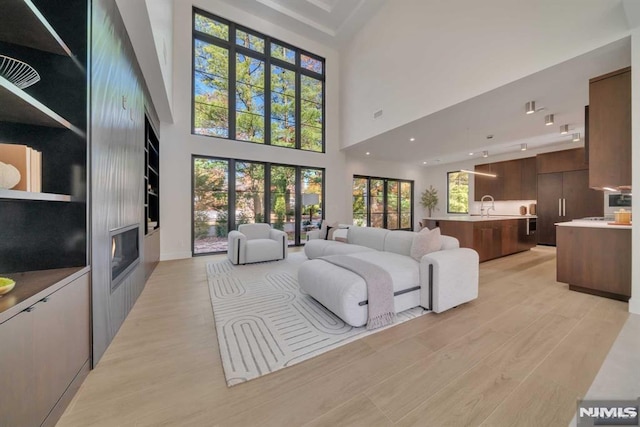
(232, 85)
(267, 93)
(298, 96)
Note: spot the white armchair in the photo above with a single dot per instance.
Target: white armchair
(256, 243)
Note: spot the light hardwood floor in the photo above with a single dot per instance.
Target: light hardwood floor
(521, 354)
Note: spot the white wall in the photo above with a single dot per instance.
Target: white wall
(417, 57)
(161, 19)
(634, 303)
(178, 144)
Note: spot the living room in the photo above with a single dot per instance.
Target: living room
(160, 363)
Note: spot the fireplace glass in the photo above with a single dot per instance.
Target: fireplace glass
(125, 253)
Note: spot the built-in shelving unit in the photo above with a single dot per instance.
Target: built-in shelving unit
(152, 178)
(45, 319)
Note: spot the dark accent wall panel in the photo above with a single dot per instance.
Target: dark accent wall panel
(117, 163)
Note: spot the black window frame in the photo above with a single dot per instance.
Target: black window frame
(385, 212)
(268, 60)
(231, 183)
(448, 192)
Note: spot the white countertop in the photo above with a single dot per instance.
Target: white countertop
(593, 224)
(478, 218)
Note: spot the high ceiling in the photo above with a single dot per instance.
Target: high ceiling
(327, 21)
(451, 134)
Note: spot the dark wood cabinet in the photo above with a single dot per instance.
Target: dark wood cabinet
(491, 239)
(564, 196)
(509, 236)
(549, 209)
(562, 161)
(610, 130)
(529, 179)
(595, 260)
(45, 349)
(515, 180)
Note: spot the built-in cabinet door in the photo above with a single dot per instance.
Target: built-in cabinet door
(579, 201)
(511, 180)
(509, 236)
(610, 130)
(17, 375)
(529, 179)
(61, 341)
(549, 207)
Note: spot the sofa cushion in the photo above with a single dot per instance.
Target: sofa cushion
(399, 242)
(255, 231)
(404, 270)
(317, 248)
(258, 250)
(449, 242)
(425, 242)
(367, 236)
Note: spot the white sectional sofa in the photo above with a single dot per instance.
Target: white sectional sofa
(439, 281)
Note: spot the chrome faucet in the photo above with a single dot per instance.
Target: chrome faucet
(492, 207)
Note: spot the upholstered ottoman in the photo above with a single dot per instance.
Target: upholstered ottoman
(345, 293)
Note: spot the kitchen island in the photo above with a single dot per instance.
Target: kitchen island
(595, 257)
(492, 237)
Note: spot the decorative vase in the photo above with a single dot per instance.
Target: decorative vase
(9, 176)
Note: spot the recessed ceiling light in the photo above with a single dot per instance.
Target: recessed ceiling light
(564, 129)
(471, 154)
(367, 153)
(412, 139)
(576, 137)
(548, 119)
(424, 163)
(530, 107)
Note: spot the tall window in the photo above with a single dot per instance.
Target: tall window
(457, 192)
(250, 87)
(229, 192)
(383, 203)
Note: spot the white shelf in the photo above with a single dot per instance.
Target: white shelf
(27, 195)
(22, 23)
(20, 107)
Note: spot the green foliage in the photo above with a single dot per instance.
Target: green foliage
(211, 75)
(429, 199)
(458, 192)
(222, 226)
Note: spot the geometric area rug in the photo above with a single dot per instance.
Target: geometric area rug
(265, 323)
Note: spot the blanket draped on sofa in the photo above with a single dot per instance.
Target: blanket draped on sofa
(381, 311)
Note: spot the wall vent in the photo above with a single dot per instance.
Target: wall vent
(377, 114)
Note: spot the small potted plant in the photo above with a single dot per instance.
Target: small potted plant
(429, 199)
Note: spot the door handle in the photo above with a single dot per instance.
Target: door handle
(559, 207)
(564, 207)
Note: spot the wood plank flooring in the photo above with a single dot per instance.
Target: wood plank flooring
(521, 354)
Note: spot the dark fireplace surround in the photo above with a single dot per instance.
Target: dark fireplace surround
(125, 253)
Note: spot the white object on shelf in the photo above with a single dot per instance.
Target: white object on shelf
(9, 176)
(17, 72)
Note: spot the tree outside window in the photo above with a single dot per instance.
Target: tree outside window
(457, 192)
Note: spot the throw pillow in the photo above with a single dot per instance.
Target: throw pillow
(425, 242)
(325, 231)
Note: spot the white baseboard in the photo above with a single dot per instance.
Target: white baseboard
(634, 305)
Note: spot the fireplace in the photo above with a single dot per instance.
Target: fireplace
(125, 253)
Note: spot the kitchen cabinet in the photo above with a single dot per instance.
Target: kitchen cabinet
(610, 130)
(562, 161)
(45, 352)
(490, 238)
(595, 260)
(564, 196)
(515, 180)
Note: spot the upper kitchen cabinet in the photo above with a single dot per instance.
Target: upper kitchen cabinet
(610, 130)
(562, 161)
(515, 180)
